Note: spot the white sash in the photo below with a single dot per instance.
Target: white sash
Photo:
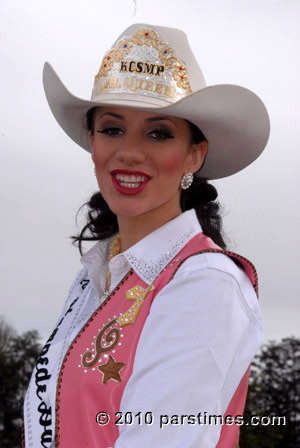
(39, 406)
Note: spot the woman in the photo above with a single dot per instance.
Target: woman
(155, 340)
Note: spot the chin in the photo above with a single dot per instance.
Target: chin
(130, 208)
(127, 212)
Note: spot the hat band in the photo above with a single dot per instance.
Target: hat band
(138, 85)
(127, 99)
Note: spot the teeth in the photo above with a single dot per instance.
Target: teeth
(128, 185)
(130, 178)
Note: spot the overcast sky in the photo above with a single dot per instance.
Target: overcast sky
(45, 177)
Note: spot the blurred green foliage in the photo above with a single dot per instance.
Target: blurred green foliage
(18, 355)
(274, 390)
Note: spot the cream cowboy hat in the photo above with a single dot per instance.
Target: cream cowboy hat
(153, 68)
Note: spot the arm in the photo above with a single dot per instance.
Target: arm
(199, 338)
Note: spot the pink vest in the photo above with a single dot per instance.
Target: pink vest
(99, 361)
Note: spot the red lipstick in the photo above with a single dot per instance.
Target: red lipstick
(129, 190)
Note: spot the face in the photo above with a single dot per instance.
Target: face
(140, 158)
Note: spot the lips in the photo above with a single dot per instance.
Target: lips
(129, 182)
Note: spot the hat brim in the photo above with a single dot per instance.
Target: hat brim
(233, 119)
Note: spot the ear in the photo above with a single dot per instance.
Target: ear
(196, 156)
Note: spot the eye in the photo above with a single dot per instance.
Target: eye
(112, 131)
(160, 134)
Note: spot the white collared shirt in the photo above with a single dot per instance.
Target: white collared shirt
(202, 331)
(201, 334)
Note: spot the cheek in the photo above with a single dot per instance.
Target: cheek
(173, 164)
(98, 157)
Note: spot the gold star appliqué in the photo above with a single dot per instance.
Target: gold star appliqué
(111, 370)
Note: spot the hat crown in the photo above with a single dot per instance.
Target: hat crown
(151, 62)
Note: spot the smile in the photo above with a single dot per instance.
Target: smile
(130, 181)
(127, 183)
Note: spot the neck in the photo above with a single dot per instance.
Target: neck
(134, 229)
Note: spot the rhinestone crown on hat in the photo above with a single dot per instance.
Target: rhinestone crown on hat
(144, 65)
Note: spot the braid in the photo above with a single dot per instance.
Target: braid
(201, 196)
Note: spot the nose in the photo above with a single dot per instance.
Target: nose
(130, 151)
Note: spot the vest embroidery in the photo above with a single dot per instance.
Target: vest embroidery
(109, 336)
(138, 294)
(111, 370)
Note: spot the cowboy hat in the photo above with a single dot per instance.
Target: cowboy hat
(153, 68)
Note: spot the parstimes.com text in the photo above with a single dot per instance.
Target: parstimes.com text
(202, 418)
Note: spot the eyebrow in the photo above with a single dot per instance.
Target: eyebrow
(148, 120)
(151, 119)
(112, 114)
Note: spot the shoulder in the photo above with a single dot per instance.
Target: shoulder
(218, 263)
(217, 275)
(212, 299)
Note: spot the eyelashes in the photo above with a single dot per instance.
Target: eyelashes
(112, 131)
(161, 134)
(158, 134)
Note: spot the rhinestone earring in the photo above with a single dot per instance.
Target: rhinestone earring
(186, 181)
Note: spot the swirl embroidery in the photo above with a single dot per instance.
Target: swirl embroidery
(104, 343)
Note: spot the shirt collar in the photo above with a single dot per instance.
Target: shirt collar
(150, 255)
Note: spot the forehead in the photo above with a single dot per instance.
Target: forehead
(127, 114)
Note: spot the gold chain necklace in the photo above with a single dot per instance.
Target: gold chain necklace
(114, 250)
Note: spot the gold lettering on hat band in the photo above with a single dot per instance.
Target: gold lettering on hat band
(143, 63)
(141, 67)
(135, 86)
